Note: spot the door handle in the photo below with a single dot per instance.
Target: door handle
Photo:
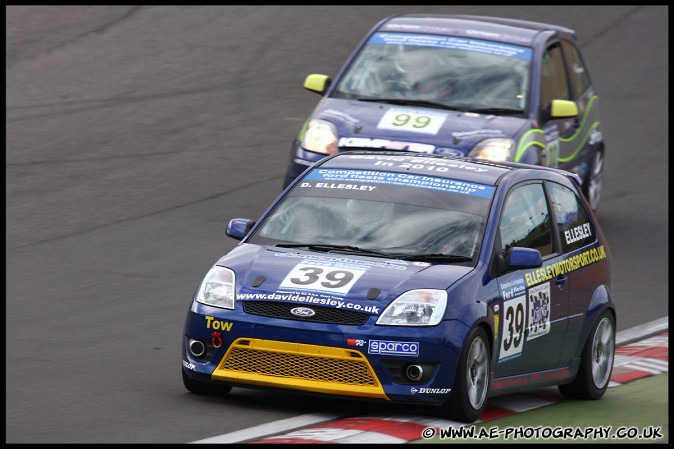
(560, 281)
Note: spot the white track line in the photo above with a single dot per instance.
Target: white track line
(271, 428)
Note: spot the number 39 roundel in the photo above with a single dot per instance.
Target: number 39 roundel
(514, 322)
(321, 278)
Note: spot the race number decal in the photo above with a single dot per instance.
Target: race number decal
(322, 278)
(539, 311)
(425, 122)
(514, 322)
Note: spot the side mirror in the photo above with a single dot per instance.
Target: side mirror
(317, 83)
(563, 109)
(237, 228)
(518, 257)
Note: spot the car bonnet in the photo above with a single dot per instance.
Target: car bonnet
(265, 273)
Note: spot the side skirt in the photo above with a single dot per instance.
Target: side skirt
(536, 380)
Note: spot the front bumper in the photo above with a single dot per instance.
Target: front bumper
(252, 351)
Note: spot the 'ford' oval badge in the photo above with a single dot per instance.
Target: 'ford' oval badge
(302, 311)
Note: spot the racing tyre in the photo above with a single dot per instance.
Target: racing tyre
(198, 387)
(469, 395)
(596, 362)
(593, 183)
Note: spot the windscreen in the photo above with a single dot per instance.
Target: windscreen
(396, 214)
(450, 71)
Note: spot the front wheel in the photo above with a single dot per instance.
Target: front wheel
(596, 362)
(468, 398)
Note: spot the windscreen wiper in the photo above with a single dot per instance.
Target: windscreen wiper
(499, 111)
(403, 102)
(437, 257)
(327, 248)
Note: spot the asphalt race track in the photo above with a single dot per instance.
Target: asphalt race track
(134, 133)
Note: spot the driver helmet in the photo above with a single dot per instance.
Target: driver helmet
(415, 63)
(364, 212)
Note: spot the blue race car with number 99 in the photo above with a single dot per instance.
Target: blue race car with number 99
(482, 87)
(418, 279)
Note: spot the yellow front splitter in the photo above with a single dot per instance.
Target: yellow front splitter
(298, 366)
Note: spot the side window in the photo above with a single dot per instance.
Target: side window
(554, 84)
(526, 220)
(575, 227)
(580, 77)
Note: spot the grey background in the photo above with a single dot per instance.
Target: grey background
(134, 133)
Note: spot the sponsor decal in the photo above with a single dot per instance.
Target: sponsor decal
(332, 185)
(303, 311)
(355, 342)
(407, 179)
(425, 390)
(454, 42)
(527, 379)
(365, 142)
(383, 347)
(449, 152)
(479, 133)
(539, 311)
(578, 233)
(512, 288)
(345, 262)
(565, 266)
(309, 298)
(189, 365)
(511, 382)
(212, 323)
(396, 161)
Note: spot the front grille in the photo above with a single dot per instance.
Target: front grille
(299, 367)
(299, 362)
(327, 315)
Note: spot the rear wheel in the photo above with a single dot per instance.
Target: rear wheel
(594, 181)
(468, 398)
(198, 387)
(596, 362)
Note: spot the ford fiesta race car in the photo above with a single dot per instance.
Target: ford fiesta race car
(410, 278)
(481, 87)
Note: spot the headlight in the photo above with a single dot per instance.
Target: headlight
(496, 149)
(320, 137)
(416, 308)
(217, 288)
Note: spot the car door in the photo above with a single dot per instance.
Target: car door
(564, 76)
(554, 86)
(534, 302)
(584, 262)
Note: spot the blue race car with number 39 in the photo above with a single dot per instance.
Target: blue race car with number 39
(482, 87)
(410, 278)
